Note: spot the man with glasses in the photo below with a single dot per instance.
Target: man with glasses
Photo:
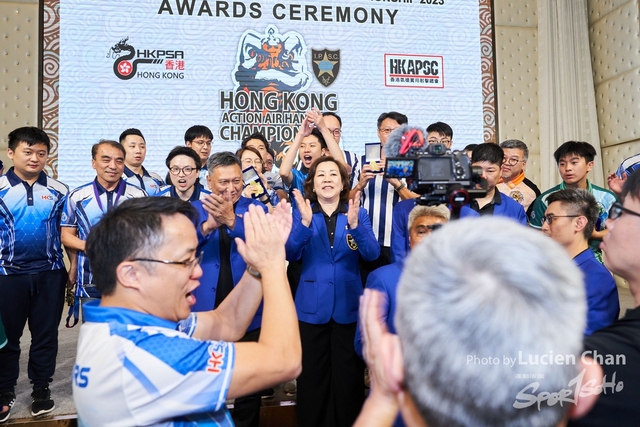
(143, 358)
(199, 138)
(219, 223)
(569, 220)
(513, 182)
(575, 160)
(620, 246)
(184, 165)
(440, 133)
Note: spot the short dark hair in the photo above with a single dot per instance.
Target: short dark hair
(181, 150)
(488, 152)
(222, 158)
(579, 202)
(241, 151)
(255, 135)
(114, 144)
(272, 152)
(131, 229)
(30, 135)
(400, 118)
(308, 183)
(631, 186)
(441, 128)
(195, 131)
(517, 144)
(332, 114)
(315, 132)
(470, 147)
(579, 148)
(131, 131)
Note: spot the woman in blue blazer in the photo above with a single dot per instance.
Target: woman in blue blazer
(330, 234)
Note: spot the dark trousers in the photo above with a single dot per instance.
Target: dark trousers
(331, 385)
(246, 409)
(39, 299)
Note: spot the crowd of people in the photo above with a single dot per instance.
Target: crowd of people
(227, 277)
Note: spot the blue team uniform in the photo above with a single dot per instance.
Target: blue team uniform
(135, 369)
(150, 182)
(32, 274)
(83, 209)
(199, 192)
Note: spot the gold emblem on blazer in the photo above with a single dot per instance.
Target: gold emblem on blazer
(351, 242)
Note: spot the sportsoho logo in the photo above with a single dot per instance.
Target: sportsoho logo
(127, 59)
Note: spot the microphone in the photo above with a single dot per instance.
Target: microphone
(403, 139)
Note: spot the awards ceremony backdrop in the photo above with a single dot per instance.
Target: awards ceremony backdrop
(238, 67)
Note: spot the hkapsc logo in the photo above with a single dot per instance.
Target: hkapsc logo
(127, 59)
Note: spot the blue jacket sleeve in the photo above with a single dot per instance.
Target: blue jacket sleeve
(374, 281)
(399, 238)
(364, 237)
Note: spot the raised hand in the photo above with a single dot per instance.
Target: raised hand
(354, 208)
(263, 246)
(304, 206)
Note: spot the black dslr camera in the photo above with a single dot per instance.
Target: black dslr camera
(438, 175)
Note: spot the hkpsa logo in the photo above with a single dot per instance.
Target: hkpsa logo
(127, 59)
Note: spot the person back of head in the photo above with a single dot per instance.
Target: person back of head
(578, 201)
(578, 148)
(631, 186)
(130, 230)
(488, 152)
(458, 308)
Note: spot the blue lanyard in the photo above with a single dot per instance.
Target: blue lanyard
(121, 187)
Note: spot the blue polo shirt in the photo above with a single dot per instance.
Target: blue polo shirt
(603, 305)
(149, 181)
(83, 209)
(199, 192)
(30, 224)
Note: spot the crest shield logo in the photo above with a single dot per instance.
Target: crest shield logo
(326, 65)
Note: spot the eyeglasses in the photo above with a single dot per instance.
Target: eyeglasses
(335, 132)
(387, 131)
(441, 141)
(190, 264)
(617, 209)
(256, 162)
(512, 161)
(187, 170)
(206, 142)
(550, 218)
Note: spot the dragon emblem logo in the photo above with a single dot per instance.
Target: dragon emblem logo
(272, 61)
